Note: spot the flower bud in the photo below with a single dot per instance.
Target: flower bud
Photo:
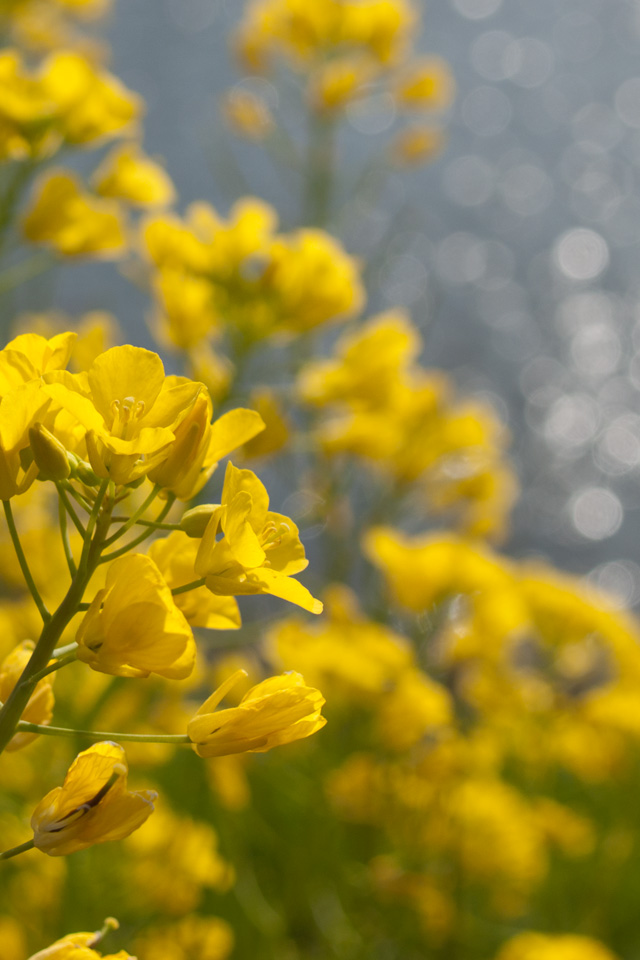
(194, 522)
(49, 454)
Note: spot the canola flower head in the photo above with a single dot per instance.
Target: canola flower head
(277, 711)
(260, 550)
(539, 946)
(128, 174)
(72, 222)
(92, 806)
(128, 409)
(78, 946)
(133, 626)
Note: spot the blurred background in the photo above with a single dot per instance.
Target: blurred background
(516, 250)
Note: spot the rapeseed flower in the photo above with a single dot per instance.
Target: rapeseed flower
(128, 409)
(72, 222)
(128, 174)
(78, 946)
(92, 806)
(260, 550)
(277, 711)
(540, 946)
(133, 627)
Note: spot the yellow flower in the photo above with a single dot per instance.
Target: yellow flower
(417, 144)
(200, 444)
(175, 557)
(539, 946)
(277, 711)
(260, 550)
(128, 408)
(127, 174)
(78, 946)
(20, 408)
(39, 709)
(72, 222)
(92, 806)
(133, 626)
(247, 114)
(29, 356)
(426, 84)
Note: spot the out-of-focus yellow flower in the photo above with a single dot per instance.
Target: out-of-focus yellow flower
(314, 279)
(277, 711)
(78, 946)
(92, 806)
(367, 363)
(572, 833)
(128, 174)
(128, 408)
(192, 938)
(247, 114)
(97, 331)
(175, 557)
(133, 626)
(304, 33)
(344, 653)
(39, 709)
(67, 100)
(276, 427)
(417, 144)
(339, 81)
(260, 550)
(199, 445)
(415, 708)
(540, 946)
(72, 222)
(239, 274)
(174, 861)
(426, 84)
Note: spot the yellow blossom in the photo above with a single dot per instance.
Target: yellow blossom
(92, 806)
(277, 711)
(133, 626)
(175, 557)
(39, 709)
(128, 408)
(426, 84)
(20, 408)
(78, 946)
(260, 550)
(73, 222)
(127, 174)
(199, 445)
(539, 946)
(247, 114)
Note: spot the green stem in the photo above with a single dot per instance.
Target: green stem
(22, 560)
(69, 508)
(63, 651)
(319, 170)
(25, 270)
(14, 851)
(134, 516)
(64, 533)
(60, 662)
(193, 585)
(143, 536)
(97, 735)
(54, 627)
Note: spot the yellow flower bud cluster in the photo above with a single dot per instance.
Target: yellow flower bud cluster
(345, 51)
(383, 407)
(239, 275)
